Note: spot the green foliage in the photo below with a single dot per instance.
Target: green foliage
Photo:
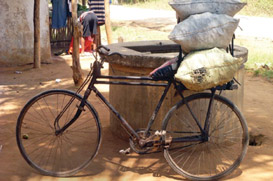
(151, 4)
(258, 8)
(130, 33)
(259, 51)
(134, 1)
(82, 7)
(256, 73)
(268, 74)
(253, 8)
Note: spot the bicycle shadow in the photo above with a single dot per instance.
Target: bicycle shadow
(131, 166)
(120, 168)
(162, 171)
(116, 165)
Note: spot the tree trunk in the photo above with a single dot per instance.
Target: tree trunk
(76, 66)
(108, 28)
(36, 22)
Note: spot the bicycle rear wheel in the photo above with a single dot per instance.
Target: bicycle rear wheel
(66, 153)
(225, 148)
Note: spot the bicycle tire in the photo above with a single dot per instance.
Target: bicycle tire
(227, 144)
(67, 153)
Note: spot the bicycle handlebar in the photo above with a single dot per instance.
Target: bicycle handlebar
(104, 47)
(105, 51)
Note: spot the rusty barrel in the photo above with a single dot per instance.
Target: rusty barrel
(137, 103)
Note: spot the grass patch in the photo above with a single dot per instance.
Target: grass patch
(259, 51)
(129, 33)
(152, 4)
(260, 56)
(263, 8)
(268, 74)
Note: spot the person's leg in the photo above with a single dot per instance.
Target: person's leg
(89, 27)
(86, 31)
(82, 41)
(94, 44)
(93, 26)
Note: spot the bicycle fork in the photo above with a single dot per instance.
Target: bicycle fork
(80, 107)
(76, 116)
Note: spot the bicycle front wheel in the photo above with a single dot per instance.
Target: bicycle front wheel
(63, 154)
(227, 140)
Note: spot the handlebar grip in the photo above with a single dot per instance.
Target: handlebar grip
(116, 53)
(103, 52)
(106, 51)
(104, 47)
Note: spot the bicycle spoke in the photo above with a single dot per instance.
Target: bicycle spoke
(37, 122)
(39, 140)
(48, 108)
(44, 115)
(63, 154)
(212, 158)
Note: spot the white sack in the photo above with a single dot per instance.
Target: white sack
(205, 69)
(204, 31)
(185, 8)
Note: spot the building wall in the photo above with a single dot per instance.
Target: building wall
(16, 32)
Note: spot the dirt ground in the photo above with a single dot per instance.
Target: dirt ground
(19, 84)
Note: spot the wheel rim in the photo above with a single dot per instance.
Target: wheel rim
(218, 156)
(66, 153)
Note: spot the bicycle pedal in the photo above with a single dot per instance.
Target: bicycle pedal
(125, 152)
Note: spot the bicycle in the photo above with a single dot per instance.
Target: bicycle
(56, 126)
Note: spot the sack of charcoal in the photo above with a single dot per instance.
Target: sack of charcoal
(185, 8)
(206, 69)
(204, 31)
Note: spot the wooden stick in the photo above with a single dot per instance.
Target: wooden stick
(36, 22)
(76, 66)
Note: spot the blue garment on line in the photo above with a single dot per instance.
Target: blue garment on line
(59, 13)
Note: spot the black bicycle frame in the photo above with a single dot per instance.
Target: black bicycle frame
(131, 80)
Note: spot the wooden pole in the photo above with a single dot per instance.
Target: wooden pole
(108, 28)
(76, 66)
(36, 22)
(84, 2)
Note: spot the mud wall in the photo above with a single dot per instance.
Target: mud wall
(16, 32)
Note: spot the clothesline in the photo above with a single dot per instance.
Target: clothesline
(61, 9)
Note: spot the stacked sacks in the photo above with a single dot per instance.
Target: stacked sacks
(206, 24)
(204, 31)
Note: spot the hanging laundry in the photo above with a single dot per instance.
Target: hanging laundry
(70, 5)
(97, 6)
(59, 13)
